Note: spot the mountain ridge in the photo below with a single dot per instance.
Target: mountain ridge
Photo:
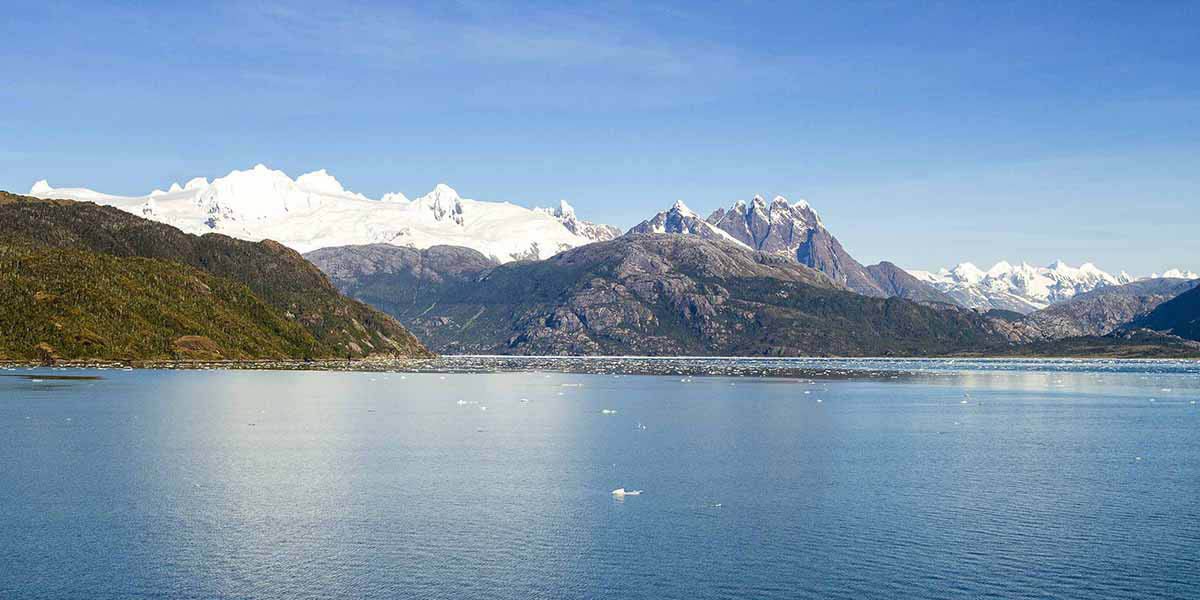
(1023, 287)
(646, 294)
(793, 230)
(272, 284)
(315, 210)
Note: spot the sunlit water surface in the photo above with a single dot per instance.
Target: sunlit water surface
(974, 479)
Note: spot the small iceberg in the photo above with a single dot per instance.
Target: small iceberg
(608, 411)
(621, 492)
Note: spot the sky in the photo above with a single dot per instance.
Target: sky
(924, 133)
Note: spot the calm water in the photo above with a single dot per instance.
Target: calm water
(1052, 480)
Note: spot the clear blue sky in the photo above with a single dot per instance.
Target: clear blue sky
(925, 133)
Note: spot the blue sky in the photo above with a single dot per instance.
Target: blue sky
(926, 133)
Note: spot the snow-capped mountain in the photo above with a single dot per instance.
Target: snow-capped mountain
(1024, 288)
(315, 211)
(680, 219)
(596, 232)
(793, 230)
(1175, 274)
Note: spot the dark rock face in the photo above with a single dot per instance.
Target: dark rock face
(1179, 316)
(651, 294)
(1102, 311)
(437, 264)
(896, 282)
(793, 230)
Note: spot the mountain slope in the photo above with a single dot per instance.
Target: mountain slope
(1179, 316)
(77, 304)
(249, 275)
(1102, 311)
(898, 283)
(315, 211)
(648, 294)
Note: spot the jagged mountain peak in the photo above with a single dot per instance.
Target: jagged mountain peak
(565, 214)
(786, 229)
(681, 208)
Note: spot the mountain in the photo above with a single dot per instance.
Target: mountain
(86, 281)
(642, 294)
(315, 211)
(1179, 316)
(1101, 311)
(679, 219)
(795, 231)
(565, 213)
(1022, 288)
(898, 283)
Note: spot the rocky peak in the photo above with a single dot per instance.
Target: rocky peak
(565, 214)
(443, 203)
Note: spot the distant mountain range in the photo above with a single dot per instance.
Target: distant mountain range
(1025, 288)
(456, 245)
(315, 211)
(81, 281)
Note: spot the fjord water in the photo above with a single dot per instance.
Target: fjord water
(972, 479)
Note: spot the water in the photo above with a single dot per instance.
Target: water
(1053, 480)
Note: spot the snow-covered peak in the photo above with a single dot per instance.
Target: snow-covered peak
(315, 210)
(1000, 269)
(565, 214)
(565, 210)
(681, 208)
(967, 272)
(444, 203)
(320, 182)
(1176, 274)
(175, 189)
(1021, 287)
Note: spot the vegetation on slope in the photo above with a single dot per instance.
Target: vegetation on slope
(112, 277)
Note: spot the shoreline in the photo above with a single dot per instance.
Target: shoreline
(689, 366)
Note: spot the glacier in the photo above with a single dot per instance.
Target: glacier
(315, 211)
(1025, 288)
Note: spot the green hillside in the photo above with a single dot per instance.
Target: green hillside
(83, 281)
